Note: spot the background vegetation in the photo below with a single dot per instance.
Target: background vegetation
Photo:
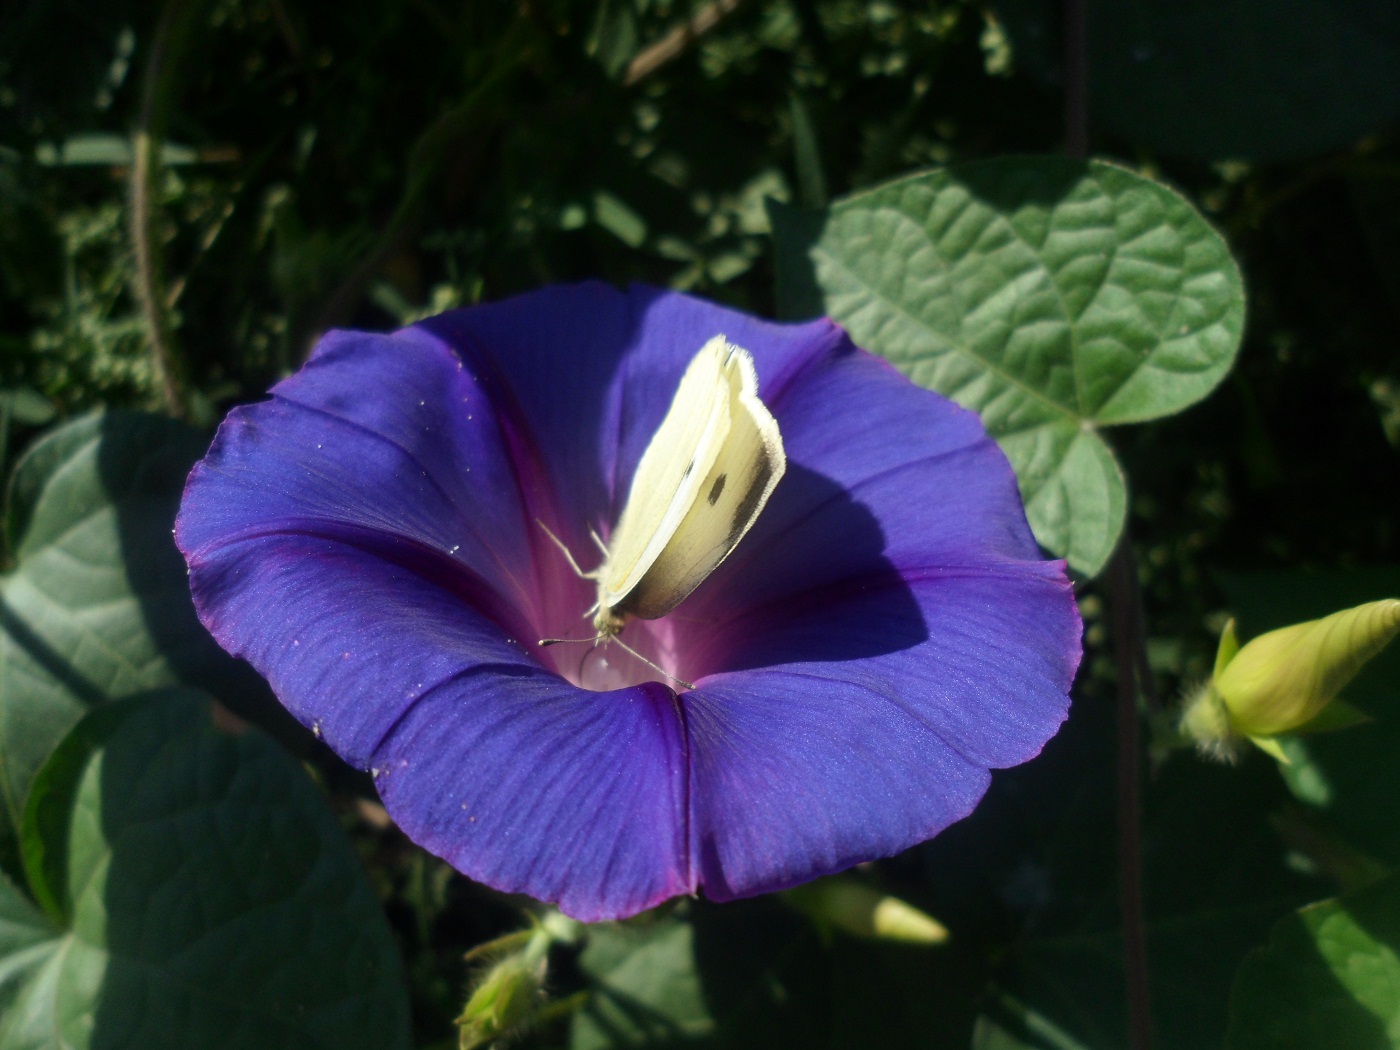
(191, 193)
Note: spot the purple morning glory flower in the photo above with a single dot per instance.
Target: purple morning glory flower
(372, 539)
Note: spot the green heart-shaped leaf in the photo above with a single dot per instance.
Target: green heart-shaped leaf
(200, 895)
(96, 604)
(1051, 296)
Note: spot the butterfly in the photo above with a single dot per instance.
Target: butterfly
(702, 482)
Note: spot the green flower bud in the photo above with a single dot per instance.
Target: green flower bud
(843, 903)
(504, 1002)
(1284, 681)
(508, 994)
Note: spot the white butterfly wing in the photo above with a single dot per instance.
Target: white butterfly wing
(668, 477)
(739, 476)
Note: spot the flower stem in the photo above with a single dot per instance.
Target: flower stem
(148, 271)
(1129, 637)
(678, 40)
(1125, 606)
(1076, 44)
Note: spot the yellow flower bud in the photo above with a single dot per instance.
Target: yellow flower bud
(1282, 681)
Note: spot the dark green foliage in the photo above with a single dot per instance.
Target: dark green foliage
(95, 605)
(368, 163)
(1259, 79)
(199, 894)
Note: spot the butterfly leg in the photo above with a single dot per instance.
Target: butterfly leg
(598, 542)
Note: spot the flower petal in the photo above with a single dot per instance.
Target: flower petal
(591, 371)
(363, 540)
(511, 774)
(844, 742)
(893, 476)
(883, 636)
(375, 436)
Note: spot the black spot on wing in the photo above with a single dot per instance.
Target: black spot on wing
(745, 510)
(716, 489)
(688, 468)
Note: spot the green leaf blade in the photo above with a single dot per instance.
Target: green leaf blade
(1329, 976)
(210, 897)
(1051, 296)
(97, 604)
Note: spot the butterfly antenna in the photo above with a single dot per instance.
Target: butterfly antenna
(627, 648)
(655, 667)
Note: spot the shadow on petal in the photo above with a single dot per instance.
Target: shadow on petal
(809, 584)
